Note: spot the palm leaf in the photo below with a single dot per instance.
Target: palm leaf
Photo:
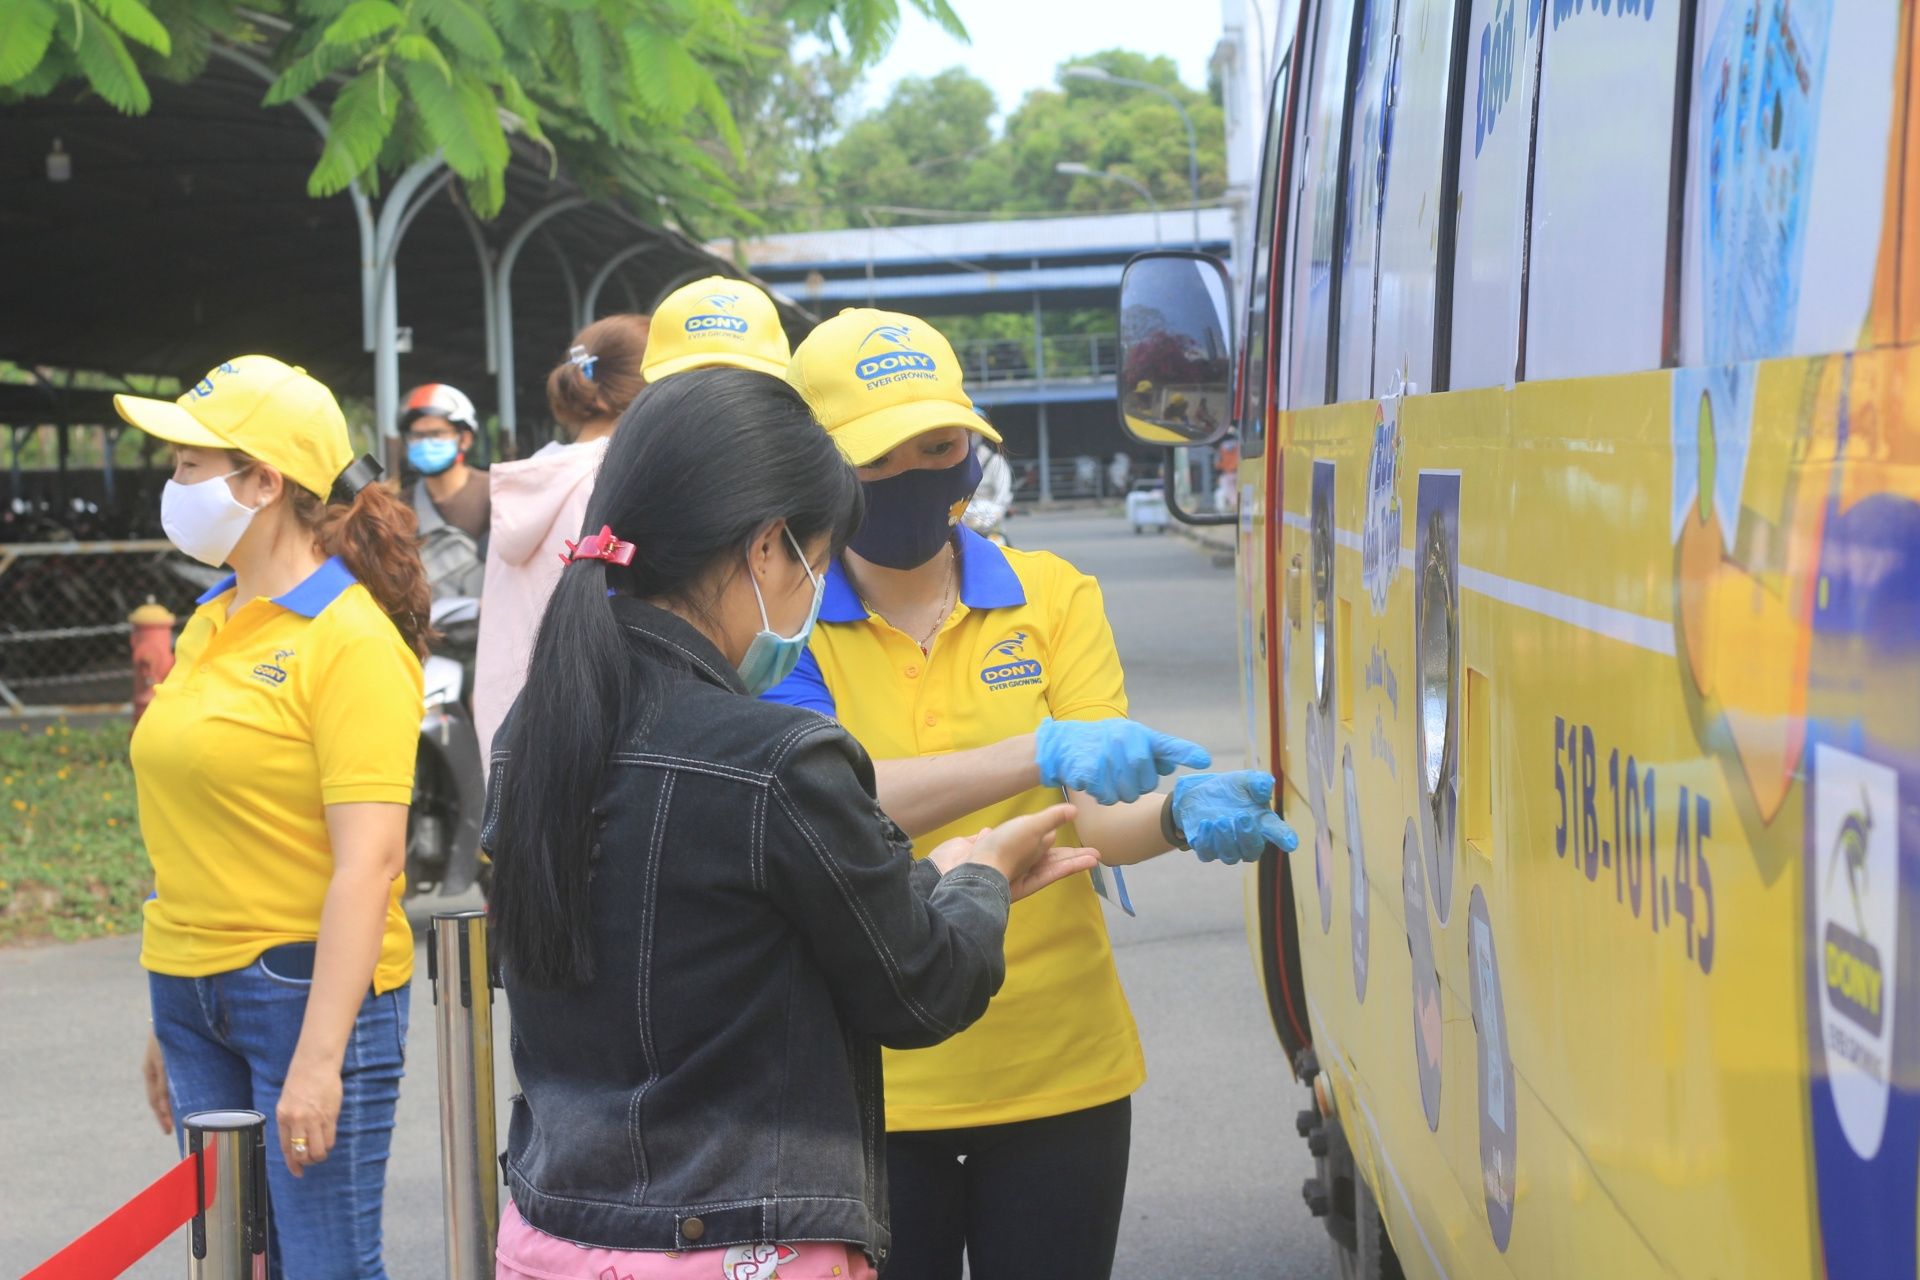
(589, 54)
(417, 48)
(26, 29)
(309, 71)
(362, 117)
(136, 22)
(464, 27)
(107, 65)
(363, 20)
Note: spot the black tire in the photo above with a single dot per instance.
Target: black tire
(1355, 1216)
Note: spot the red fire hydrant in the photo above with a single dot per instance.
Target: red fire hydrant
(152, 651)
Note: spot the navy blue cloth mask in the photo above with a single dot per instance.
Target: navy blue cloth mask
(910, 516)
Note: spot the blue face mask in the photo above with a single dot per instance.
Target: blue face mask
(771, 658)
(910, 516)
(431, 455)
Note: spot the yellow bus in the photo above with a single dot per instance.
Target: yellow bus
(1579, 558)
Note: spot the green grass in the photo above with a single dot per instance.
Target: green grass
(72, 864)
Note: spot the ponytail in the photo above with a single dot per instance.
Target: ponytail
(374, 534)
(375, 537)
(601, 374)
(700, 463)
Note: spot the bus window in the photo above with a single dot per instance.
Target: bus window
(1787, 160)
(1368, 152)
(1596, 275)
(1494, 128)
(1409, 236)
(1314, 236)
(1253, 421)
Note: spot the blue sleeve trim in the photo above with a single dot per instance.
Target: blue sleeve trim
(806, 687)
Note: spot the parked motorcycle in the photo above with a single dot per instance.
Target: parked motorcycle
(449, 780)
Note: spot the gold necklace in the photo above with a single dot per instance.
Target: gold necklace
(946, 604)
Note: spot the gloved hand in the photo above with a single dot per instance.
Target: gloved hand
(1111, 760)
(1229, 816)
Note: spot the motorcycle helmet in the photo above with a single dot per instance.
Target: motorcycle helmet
(439, 400)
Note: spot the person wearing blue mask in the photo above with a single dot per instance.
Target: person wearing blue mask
(450, 499)
(707, 929)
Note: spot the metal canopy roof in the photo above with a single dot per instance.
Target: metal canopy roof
(186, 236)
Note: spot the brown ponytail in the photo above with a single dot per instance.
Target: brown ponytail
(375, 538)
(615, 345)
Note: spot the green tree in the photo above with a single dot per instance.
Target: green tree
(931, 145)
(623, 90)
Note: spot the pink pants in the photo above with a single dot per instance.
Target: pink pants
(527, 1254)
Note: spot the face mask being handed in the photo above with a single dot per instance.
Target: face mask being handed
(431, 455)
(203, 519)
(771, 658)
(910, 516)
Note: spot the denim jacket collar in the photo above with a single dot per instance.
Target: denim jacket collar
(681, 636)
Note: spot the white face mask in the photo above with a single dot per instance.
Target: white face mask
(204, 519)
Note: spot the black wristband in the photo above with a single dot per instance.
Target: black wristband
(1169, 829)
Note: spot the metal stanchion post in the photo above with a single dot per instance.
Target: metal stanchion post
(230, 1231)
(463, 1019)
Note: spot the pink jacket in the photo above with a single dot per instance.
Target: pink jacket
(538, 504)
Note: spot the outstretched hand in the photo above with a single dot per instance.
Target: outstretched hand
(1022, 850)
(1229, 817)
(1115, 761)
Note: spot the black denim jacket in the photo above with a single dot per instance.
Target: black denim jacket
(760, 931)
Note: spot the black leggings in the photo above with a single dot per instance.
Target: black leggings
(1032, 1200)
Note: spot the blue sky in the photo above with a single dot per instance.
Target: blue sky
(1017, 43)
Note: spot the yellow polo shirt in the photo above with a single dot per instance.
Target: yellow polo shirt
(292, 704)
(1028, 638)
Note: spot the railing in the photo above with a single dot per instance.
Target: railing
(64, 610)
(1068, 355)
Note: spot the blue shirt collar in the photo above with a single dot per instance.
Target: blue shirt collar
(320, 589)
(987, 581)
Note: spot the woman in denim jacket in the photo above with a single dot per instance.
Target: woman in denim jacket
(708, 927)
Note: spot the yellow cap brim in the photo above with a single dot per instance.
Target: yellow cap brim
(707, 360)
(165, 420)
(884, 430)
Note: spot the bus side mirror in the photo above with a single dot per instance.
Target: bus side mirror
(1175, 380)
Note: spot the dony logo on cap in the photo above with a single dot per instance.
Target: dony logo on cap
(892, 360)
(717, 320)
(204, 388)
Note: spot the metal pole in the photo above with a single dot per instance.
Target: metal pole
(396, 215)
(463, 1020)
(503, 309)
(1040, 388)
(591, 302)
(229, 1234)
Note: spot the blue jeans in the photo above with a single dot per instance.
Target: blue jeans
(228, 1040)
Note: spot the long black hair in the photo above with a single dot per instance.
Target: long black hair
(700, 464)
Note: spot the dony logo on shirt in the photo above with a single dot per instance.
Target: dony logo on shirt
(892, 359)
(272, 672)
(720, 319)
(1008, 665)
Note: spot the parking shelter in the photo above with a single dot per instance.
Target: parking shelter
(157, 245)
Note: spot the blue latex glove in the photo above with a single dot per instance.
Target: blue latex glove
(1229, 816)
(1113, 761)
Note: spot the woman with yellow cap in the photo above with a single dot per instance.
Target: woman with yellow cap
(984, 681)
(274, 769)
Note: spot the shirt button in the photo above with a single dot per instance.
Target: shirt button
(931, 718)
(693, 1228)
(912, 672)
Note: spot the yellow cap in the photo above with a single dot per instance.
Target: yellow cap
(715, 321)
(270, 411)
(876, 379)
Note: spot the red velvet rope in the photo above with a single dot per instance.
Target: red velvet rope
(135, 1229)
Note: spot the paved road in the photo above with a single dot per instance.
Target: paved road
(1213, 1190)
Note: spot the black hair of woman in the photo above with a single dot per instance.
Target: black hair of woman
(699, 465)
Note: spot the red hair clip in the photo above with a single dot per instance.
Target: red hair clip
(601, 546)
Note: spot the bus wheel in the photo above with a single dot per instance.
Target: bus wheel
(1373, 1257)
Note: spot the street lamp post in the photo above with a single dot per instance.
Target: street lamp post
(1074, 168)
(1193, 145)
